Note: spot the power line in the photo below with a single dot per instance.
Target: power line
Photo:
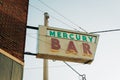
(62, 16)
(55, 18)
(83, 76)
(65, 24)
(112, 30)
(36, 8)
(104, 31)
(73, 69)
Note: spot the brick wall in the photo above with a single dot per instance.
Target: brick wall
(13, 20)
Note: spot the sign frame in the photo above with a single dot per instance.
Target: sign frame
(45, 43)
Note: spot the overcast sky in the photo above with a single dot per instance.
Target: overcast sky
(91, 15)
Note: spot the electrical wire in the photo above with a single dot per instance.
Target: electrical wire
(73, 69)
(65, 24)
(55, 18)
(70, 20)
(104, 31)
(83, 76)
(36, 8)
(62, 16)
(112, 30)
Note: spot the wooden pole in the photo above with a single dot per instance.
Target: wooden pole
(45, 62)
(46, 17)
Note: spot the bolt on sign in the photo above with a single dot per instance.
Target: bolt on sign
(66, 45)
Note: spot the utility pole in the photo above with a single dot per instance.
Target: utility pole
(45, 62)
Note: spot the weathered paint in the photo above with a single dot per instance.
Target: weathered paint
(66, 45)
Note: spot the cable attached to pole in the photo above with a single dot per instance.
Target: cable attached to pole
(83, 76)
(105, 31)
(72, 69)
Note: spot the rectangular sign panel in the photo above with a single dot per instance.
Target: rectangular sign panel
(66, 45)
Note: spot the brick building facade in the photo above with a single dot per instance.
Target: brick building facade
(13, 20)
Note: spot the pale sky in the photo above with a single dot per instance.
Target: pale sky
(91, 15)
